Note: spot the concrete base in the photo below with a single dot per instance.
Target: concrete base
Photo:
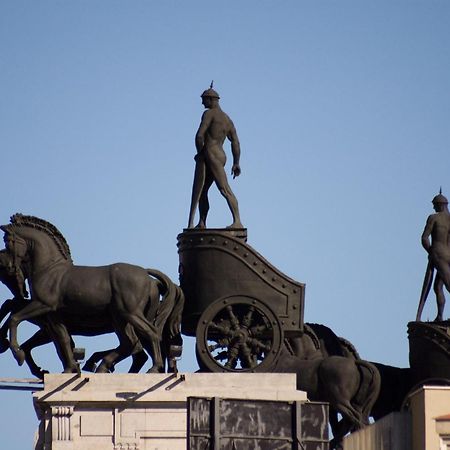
(139, 411)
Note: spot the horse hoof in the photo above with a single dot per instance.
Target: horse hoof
(19, 355)
(102, 369)
(156, 369)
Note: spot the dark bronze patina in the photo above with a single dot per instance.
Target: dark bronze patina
(210, 160)
(238, 305)
(140, 305)
(438, 228)
(429, 342)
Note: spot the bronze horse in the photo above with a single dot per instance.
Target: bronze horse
(124, 295)
(331, 371)
(13, 278)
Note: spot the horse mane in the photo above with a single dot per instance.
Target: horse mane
(349, 347)
(309, 331)
(18, 220)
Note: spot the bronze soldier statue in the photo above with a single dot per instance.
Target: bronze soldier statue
(210, 160)
(438, 228)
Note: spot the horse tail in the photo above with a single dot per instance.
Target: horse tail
(170, 308)
(369, 387)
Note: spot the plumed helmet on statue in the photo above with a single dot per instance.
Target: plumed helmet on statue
(440, 198)
(210, 92)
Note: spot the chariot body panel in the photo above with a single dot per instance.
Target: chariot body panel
(238, 305)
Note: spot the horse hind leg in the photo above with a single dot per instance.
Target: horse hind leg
(351, 421)
(336, 429)
(91, 364)
(369, 390)
(349, 412)
(64, 346)
(139, 359)
(111, 357)
(127, 342)
(150, 340)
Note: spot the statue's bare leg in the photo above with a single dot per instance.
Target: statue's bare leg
(197, 187)
(442, 279)
(203, 205)
(220, 177)
(438, 288)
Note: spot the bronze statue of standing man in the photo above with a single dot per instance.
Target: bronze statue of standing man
(210, 160)
(438, 228)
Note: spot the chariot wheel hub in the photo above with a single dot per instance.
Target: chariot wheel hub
(238, 334)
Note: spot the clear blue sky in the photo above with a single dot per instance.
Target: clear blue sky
(342, 109)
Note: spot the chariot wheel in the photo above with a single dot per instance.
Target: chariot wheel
(238, 334)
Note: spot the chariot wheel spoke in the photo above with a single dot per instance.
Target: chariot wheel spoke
(225, 330)
(233, 318)
(247, 320)
(258, 345)
(247, 359)
(261, 331)
(231, 363)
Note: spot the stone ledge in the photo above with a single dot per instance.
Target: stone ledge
(120, 388)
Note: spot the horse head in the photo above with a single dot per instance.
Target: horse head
(34, 242)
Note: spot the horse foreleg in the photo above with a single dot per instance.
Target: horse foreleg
(38, 339)
(4, 343)
(31, 310)
(6, 308)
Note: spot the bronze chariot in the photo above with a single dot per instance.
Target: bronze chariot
(238, 305)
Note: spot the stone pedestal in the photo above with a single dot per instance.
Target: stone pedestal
(139, 411)
(425, 425)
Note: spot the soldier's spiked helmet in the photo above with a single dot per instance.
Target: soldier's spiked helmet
(210, 92)
(440, 198)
